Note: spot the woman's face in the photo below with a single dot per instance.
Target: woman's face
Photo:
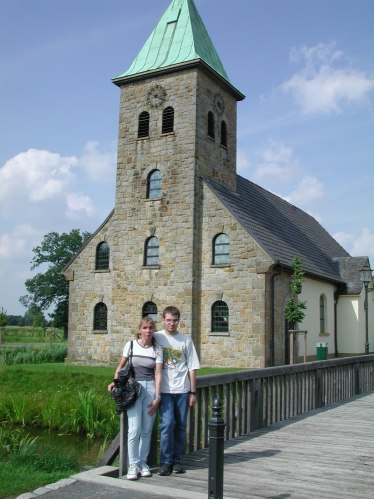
(146, 331)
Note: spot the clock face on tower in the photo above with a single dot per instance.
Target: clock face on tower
(156, 96)
(218, 104)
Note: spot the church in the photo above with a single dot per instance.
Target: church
(187, 230)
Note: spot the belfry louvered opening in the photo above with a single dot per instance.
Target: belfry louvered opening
(168, 120)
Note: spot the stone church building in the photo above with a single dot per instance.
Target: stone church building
(186, 230)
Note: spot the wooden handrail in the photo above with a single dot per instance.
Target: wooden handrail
(254, 398)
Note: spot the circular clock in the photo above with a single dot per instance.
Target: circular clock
(156, 96)
(218, 104)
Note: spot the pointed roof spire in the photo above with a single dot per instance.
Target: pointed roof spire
(179, 38)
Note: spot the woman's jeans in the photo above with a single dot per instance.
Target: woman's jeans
(174, 410)
(141, 424)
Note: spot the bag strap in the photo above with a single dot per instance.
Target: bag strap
(130, 359)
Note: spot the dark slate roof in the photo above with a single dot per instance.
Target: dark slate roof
(282, 230)
(349, 269)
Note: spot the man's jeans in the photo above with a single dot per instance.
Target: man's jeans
(141, 424)
(174, 410)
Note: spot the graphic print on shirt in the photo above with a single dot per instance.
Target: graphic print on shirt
(171, 358)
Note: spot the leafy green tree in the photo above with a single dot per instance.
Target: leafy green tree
(295, 309)
(3, 321)
(50, 289)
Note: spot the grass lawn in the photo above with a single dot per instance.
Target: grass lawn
(65, 398)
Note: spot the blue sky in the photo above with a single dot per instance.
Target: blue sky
(305, 129)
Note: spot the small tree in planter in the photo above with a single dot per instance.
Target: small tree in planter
(295, 309)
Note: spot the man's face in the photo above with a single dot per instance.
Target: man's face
(171, 323)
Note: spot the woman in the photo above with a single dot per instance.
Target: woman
(147, 362)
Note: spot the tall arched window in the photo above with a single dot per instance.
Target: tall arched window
(322, 314)
(211, 125)
(150, 310)
(102, 256)
(151, 253)
(220, 317)
(100, 317)
(223, 134)
(143, 125)
(168, 120)
(221, 249)
(154, 184)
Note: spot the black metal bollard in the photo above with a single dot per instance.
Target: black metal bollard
(216, 448)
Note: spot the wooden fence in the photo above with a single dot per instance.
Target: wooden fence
(255, 398)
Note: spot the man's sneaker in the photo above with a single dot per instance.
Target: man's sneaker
(178, 468)
(145, 471)
(132, 472)
(165, 469)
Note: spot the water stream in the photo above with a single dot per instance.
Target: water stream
(85, 448)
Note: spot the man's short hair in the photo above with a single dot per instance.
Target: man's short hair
(172, 311)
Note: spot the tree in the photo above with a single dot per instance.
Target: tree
(294, 308)
(50, 289)
(3, 321)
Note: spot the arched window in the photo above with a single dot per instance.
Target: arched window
(154, 184)
(223, 134)
(168, 120)
(221, 249)
(143, 126)
(322, 314)
(102, 256)
(211, 125)
(100, 317)
(151, 253)
(150, 310)
(220, 317)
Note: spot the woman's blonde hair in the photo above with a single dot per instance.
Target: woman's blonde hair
(146, 320)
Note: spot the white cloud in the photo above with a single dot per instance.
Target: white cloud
(363, 245)
(242, 163)
(276, 163)
(18, 243)
(320, 87)
(98, 166)
(34, 176)
(78, 203)
(307, 191)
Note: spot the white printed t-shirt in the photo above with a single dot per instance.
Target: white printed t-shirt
(143, 360)
(180, 357)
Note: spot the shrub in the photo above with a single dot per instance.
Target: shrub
(29, 355)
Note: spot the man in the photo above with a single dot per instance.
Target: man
(178, 390)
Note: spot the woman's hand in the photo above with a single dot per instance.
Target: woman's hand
(152, 408)
(110, 387)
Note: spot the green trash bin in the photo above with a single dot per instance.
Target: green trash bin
(322, 351)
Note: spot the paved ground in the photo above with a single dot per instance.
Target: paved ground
(325, 454)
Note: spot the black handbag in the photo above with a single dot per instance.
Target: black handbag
(126, 389)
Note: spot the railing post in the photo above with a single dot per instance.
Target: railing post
(123, 452)
(357, 380)
(318, 389)
(216, 448)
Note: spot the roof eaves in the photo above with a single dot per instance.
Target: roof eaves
(84, 245)
(124, 79)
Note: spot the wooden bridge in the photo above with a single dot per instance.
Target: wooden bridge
(301, 431)
(327, 453)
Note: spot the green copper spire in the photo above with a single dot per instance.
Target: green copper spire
(180, 37)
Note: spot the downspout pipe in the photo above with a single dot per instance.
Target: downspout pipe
(337, 294)
(275, 273)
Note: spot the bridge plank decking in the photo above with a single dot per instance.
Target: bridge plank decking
(326, 453)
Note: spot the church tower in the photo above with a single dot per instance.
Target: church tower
(177, 126)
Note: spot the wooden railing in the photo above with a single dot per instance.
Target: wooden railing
(256, 398)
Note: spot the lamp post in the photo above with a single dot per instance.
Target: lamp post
(366, 278)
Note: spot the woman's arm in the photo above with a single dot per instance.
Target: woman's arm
(121, 365)
(154, 406)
